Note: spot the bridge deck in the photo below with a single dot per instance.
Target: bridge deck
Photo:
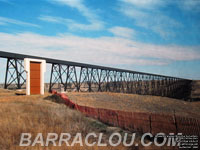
(63, 62)
(77, 76)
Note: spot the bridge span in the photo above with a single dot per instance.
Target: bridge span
(74, 76)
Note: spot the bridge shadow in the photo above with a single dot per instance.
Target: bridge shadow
(195, 100)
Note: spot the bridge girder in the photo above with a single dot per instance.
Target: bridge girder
(72, 76)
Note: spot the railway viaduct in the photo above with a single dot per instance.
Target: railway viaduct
(74, 76)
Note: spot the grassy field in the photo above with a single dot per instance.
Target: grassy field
(137, 103)
(47, 114)
(39, 114)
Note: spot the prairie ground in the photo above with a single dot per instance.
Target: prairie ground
(40, 114)
(46, 114)
(137, 103)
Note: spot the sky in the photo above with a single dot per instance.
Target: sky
(154, 36)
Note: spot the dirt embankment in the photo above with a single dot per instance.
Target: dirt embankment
(137, 103)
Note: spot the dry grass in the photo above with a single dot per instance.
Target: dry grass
(137, 103)
(33, 114)
(195, 92)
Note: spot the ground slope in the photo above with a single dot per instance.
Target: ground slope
(137, 103)
(195, 90)
(38, 114)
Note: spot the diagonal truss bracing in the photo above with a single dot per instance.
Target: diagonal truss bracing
(73, 76)
(15, 74)
(85, 79)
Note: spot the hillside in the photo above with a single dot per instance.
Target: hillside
(195, 90)
(46, 114)
(137, 103)
(40, 114)
(36, 114)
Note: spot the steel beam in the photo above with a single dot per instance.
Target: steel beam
(73, 76)
(15, 74)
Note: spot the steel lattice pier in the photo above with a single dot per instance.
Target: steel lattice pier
(72, 76)
(84, 79)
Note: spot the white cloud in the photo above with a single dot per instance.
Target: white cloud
(72, 3)
(95, 22)
(147, 14)
(95, 25)
(104, 50)
(189, 5)
(6, 1)
(145, 3)
(73, 25)
(153, 20)
(122, 32)
(4, 21)
(78, 4)
(53, 19)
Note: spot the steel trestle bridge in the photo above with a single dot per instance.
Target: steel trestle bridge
(73, 76)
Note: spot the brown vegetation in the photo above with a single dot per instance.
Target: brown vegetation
(33, 114)
(137, 103)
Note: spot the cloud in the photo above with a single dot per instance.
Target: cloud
(73, 25)
(95, 22)
(54, 19)
(112, 51)
(6, 1)
(78, 4)
(148, 4)
(5, 21)
(71, 3)
(189, 5)
(155, 21)
(122, 32)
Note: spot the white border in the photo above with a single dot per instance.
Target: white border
(42, 71)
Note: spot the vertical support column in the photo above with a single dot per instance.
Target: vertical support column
(18, 77)
(90, 76)
(6, 76)
(50, 85)
(14, 73)
(67, 78)
(99, 80)
(77, 85)
(56, 76)
(107, 80)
